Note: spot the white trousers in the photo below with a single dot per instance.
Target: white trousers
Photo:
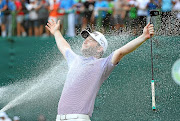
(73, 117)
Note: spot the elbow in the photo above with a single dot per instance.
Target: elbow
(120, 56)
(123, 53)
(117, 58)
(119, 53)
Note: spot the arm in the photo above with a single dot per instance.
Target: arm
(19, 10)
(132, 45)
(4, 8)
(62, 44)
(39, 6)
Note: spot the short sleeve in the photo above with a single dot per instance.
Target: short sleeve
(70, 56)
(108, 66)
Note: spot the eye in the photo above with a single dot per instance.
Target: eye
(91, 39)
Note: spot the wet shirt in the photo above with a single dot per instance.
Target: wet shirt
(84, 78)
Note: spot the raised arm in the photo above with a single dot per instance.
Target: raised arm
(148, 32)
(62, 44)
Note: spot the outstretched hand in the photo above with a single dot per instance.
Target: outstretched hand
(148, 31)
(52, 26)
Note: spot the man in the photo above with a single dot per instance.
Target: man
(20, 18)
(120, 11)
(142, 13)
(33, 18)
(99, 14)
(69, 17)
(88, 10)
(3, 7)
(7, 19)
(87, 72)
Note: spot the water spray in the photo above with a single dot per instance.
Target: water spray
(37, 87)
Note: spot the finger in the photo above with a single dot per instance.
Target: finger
(48, 27)
(59, 22)
(50, 22)
(151, 31)
(147, 25)
(151, 25)
(53, 21)
(151, 28)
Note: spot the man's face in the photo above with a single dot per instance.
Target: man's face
(89, 47)
(89, 42)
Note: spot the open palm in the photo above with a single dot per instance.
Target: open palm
(52, 26)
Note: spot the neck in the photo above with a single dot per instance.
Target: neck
(89, 54)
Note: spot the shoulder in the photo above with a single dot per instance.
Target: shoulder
(70, 52)
(107, 58)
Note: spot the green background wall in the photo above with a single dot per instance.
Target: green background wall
(125, 96)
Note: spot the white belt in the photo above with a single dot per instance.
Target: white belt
(72, 116)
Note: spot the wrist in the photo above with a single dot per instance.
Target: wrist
(56, 32)
(144, 37)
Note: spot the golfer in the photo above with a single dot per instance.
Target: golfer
(87, 72)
